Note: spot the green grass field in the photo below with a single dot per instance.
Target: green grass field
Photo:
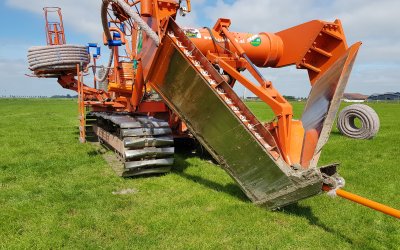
(58, 193)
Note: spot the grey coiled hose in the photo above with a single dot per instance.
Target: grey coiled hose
(103, 76)
(56, 58)
(368, 118)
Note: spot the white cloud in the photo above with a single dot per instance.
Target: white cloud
(82, 16)
(376, 23)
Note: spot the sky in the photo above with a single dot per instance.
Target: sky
(375, 23)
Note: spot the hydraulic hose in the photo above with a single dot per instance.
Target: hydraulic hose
(135, 16)
(105, 75)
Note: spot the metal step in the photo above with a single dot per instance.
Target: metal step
(141, 142)
(149, 163)
(145, 131)
(149, 153)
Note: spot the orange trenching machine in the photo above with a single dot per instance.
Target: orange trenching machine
(163, 82)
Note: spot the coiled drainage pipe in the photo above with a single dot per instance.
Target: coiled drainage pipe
(346, 122)
(51, 61)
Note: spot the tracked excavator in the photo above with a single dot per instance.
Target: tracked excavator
(164, 82)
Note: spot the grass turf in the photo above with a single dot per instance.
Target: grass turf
(56, 192)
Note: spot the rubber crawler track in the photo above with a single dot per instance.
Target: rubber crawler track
(145, 144)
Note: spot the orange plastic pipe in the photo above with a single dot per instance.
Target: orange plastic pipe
(368, 203)
(189, 6)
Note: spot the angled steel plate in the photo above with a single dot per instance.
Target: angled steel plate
(264, 179)
(323, 104)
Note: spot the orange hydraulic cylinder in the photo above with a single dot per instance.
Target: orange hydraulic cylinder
(137, 94)
(263, 49)
(368, 203)
(146, 8)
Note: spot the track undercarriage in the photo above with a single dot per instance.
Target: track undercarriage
(144, 144)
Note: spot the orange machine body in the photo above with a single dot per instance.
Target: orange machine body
(313, 46)
(263, 49)
(318, 47)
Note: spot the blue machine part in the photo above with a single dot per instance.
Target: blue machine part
(114, 43)
(116, 36)
(95, 46)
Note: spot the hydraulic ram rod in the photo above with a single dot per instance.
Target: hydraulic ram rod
(365, 202)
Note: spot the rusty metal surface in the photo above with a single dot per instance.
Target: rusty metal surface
(323, 104)
(265, 180)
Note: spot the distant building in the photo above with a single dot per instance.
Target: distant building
(389, 96)
(354, 97)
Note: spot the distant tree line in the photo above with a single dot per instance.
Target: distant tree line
(287, 97)
(23, 96)
(290, 98)
(64, 96)
(68, 96)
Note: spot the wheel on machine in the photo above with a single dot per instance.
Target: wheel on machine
(358, 121)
